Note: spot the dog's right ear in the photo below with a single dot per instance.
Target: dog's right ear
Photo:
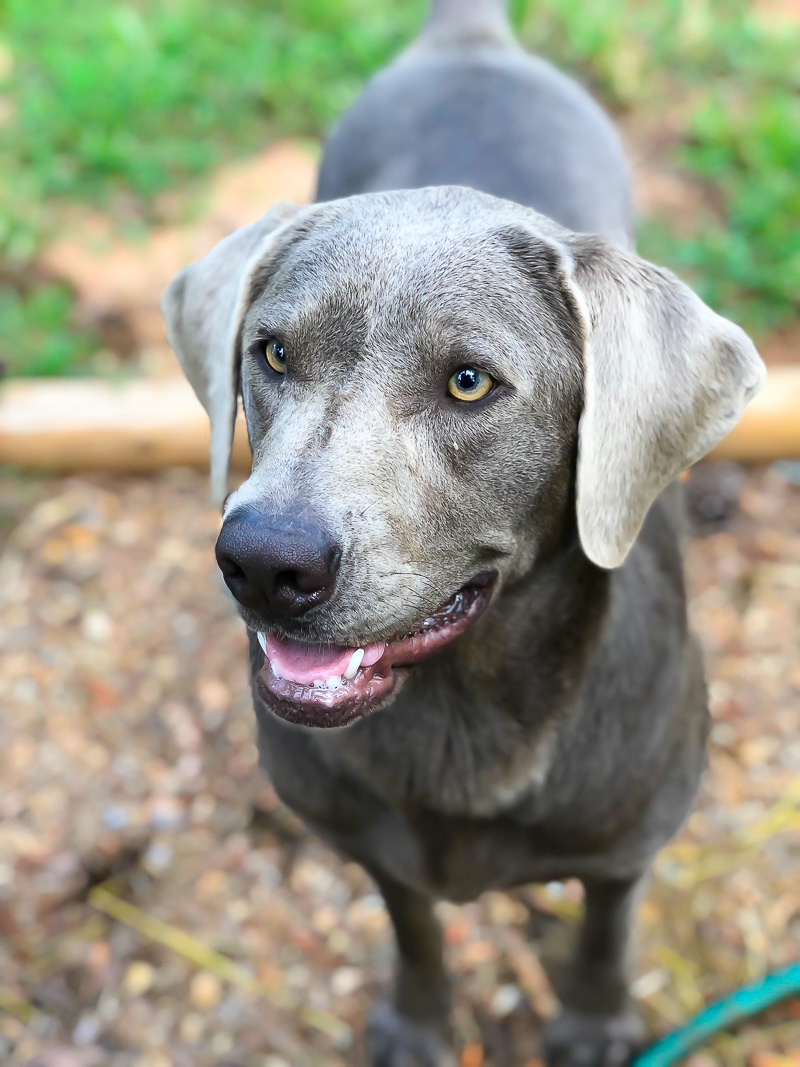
(665, 379)
(203, 309)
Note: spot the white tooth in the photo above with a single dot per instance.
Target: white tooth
(263, 642)
(354, 664)
(276, 671)
(333, 682)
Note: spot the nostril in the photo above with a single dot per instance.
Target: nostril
(300, 583)
(288, 580)
(230, 569)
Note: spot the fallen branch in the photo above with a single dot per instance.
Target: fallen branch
(183, 944)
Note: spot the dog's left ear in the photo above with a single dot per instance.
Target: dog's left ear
(665, 379)
(203, 309)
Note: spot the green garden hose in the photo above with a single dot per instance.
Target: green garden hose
(745, 1002)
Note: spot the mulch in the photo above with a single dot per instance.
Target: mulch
(159, 908)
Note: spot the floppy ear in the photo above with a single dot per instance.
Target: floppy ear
(203, 309)
(665, 380)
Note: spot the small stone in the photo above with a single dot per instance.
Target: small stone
(96, 627)
(191, 1028)
(155, 1058)
(166, 813)
(325, 919)
(86, 1031)
(212, 883)
(239, 911)
(158, 858)
(116, 818)
(139, 978)
(505, 1000)
(221, 1044)
(205, 991)
(213, 694)
(345, 981)
(99, 956)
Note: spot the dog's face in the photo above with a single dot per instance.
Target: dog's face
(424, 412)
(415, 381)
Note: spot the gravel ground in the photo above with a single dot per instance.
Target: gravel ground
(157, 905)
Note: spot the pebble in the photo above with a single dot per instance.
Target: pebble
(205, 991)
(505, 1000)
(155, 1058)
(166, 813)
(116, 818)
(139, 978)
(158, 858)
(96, 626)
(221, 1044)
(86, 1031)
(346, 980)
(191, 1027)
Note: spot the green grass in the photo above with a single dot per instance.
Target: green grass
(141, 95)
(40, 326)
(112, 103)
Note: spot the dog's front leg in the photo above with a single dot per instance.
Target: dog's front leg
(411, 1030)
(598, 1026)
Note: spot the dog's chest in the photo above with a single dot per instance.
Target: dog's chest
(458, 858)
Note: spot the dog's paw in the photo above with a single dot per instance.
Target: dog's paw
(578, 1039)
(395, 1041)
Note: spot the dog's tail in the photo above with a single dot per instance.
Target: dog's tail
(468, 22)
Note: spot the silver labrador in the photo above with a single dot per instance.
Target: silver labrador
(468, 401)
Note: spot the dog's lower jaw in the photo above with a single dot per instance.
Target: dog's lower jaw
(378, 669)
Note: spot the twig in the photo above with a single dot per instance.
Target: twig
(201, 955)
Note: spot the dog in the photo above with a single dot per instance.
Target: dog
(458, 553)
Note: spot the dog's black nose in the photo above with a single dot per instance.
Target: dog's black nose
(276, 564)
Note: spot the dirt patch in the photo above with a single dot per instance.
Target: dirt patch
(118, 281)
(128, 761)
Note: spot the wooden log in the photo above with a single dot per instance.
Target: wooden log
(770, 428)
(146, 425)
(70, 425)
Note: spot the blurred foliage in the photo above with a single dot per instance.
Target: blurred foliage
(749, 147)
(38, 334)
(146, 94)
(112, 103)
(731, 83)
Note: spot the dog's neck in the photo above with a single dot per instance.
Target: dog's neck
(475, 731)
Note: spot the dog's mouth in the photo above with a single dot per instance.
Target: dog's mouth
(332, 685)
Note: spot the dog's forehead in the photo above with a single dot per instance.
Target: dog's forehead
(430, 257)
(396, 247)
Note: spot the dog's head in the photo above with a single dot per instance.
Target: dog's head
(440, 388)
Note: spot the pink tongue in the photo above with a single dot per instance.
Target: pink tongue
(303, 663)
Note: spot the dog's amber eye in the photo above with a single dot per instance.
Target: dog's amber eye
(469, 383)
(275, 356)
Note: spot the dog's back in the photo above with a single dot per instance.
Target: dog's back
(466, 106)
